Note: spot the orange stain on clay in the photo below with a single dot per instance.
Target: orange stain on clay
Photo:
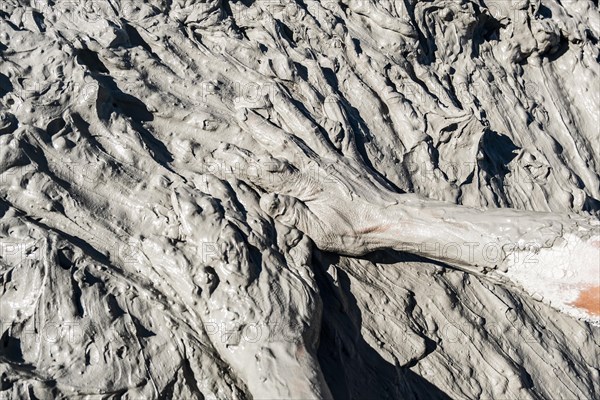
(375, 229)
(589, 300)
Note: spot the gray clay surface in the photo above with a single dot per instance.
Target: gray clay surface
(298, 199)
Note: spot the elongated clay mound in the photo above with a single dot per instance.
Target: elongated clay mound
(280, 199)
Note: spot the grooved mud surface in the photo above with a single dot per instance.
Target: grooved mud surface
(297, 199)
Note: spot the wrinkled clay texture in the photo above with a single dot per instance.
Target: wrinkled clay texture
(273, 199)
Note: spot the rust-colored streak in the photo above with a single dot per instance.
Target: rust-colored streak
(375, 229)
(589, 300)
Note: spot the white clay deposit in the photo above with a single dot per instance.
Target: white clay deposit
(298, 199)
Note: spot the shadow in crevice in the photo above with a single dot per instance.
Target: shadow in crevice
(6, 85)
(111, 99)
(486, 30)
(352, 368)
(498, 151)
(390, 256)
(91, 60)
(10, 348)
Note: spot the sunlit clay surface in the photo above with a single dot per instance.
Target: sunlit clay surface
(298, 199)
